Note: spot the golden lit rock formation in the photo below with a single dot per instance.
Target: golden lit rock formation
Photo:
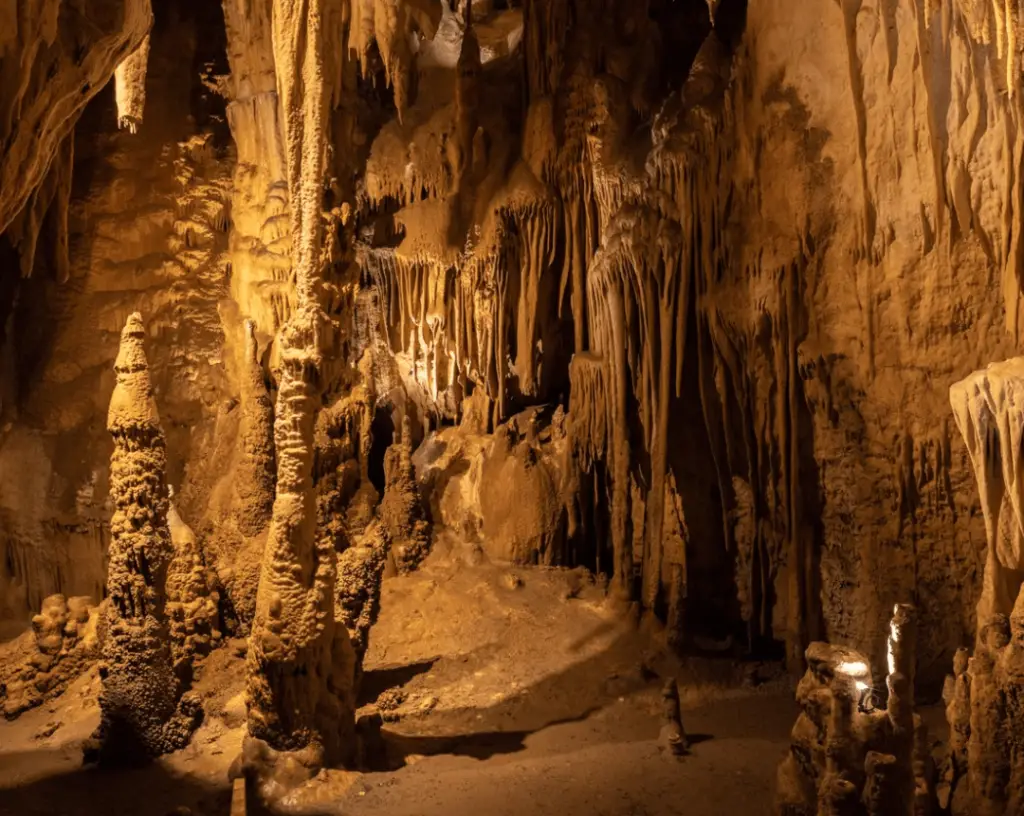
(675, 292)
(146, 709)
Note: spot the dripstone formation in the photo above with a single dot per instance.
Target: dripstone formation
(146, 709)
(985, 694)
(669, 291)
(848, 758)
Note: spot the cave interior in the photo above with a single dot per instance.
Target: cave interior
(448, 407)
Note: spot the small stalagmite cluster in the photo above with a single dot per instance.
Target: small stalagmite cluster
(64, 644)
(848, 758)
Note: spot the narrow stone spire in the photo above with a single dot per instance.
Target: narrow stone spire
(144, 708)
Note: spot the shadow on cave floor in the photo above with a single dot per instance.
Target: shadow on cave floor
(614, 696)
(498, 697)
(78, 791)
(377, 681)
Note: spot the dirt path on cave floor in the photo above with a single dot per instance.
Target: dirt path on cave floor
(503, 692)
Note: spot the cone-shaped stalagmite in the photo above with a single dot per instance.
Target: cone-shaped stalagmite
(144, 712)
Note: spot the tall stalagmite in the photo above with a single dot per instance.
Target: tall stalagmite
(301, 664)
(145, 709)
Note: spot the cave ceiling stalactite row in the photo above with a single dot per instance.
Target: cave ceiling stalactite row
(693, 278)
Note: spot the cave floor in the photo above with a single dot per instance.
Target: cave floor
(502, 691)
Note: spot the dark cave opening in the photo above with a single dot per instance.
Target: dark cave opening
(382, 432)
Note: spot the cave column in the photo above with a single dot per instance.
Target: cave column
(301, 664)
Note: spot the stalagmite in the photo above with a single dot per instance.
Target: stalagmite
(846, 758)
(192, 604)
(673, 735)
(146, 709)
(401, 511)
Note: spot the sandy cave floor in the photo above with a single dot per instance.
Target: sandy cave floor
(504, 691)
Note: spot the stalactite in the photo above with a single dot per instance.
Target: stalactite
(56, 83)
(467, 92)
(130, 87)
(145, 708)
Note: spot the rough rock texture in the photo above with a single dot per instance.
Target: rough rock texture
(63, 645)
(745, 249)
(146, 709)
(847, 757)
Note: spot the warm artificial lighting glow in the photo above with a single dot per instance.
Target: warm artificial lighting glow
(855, 668)
(894, 637)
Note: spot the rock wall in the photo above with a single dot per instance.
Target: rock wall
(148, 220)
(797, 251)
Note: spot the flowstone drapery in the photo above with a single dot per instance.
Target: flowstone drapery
(985, 695)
